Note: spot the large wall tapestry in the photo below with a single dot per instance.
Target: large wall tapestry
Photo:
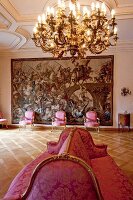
(75, 86)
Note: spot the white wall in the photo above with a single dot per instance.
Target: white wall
(123, 77)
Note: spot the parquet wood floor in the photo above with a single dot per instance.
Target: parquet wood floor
(17, 148)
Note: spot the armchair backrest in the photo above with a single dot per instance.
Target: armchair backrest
(60, 115)
(29, 115)
(91, 115)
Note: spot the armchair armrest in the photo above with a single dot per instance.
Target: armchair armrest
(85, 118)
(33, 119)
(58, 119)
(98, 120)
(53, 119)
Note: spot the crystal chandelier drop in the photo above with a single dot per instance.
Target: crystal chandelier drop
(75, 32)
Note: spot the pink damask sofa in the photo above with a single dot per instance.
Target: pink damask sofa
(74, 168)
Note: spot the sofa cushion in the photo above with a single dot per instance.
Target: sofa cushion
(113, 183)
(64, 146)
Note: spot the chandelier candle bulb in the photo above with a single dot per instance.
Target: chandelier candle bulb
(34, 30)
(43, 19)
(59, 3)
(78, 6)
(52, 11)
(48, 10)
(39, 19)
(85, 10)
(88, 13)
(63, 5)
(92, 6)
(71, 6)
(113, 13)
(97, 6)
(115, 30)
(103, 8)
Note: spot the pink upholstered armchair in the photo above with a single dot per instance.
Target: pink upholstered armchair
(91, 120)
(59, 119)
(28, 119)
(3, 121)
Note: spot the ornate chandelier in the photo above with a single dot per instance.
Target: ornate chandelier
(76, 32)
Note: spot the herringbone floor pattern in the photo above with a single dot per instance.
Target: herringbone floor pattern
(17, 148)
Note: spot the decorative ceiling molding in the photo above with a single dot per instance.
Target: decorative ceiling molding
(124, 11)
(3, 26)
(4, 22)
(125, 5)
(10, 9)
(15, 40)
(111, 4)
(23, 33)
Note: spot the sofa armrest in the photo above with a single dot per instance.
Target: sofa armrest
(52, 147)
(99, 151)
(51, 143)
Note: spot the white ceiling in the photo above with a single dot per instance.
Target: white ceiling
(17, 19)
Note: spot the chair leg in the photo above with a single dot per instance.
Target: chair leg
(32, 125)
(6, 125)
(21, 127)
(52, 128)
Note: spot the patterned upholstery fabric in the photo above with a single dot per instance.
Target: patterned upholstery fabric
(67, 180)
(112, 181)
(61, 180)
(12, 197)
(78, 149)
(20, 182)
(94, 151)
